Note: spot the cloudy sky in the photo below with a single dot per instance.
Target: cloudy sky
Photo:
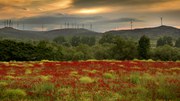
(102, 14)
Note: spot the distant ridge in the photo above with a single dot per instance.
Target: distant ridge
(9, 32)
(153, 33)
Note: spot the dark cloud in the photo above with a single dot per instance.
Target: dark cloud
(119, 20)
(125, 20)
(95, 3)
(59, 18)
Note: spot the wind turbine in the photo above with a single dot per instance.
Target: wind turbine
(83, 26)
(91, 27)
(42, 27)
(161, 21)
(131, 24)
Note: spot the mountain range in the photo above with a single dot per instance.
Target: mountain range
(153, 33)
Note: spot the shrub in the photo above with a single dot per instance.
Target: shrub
(14, 93)
(86, 80)
(44, 87)
(108, 76)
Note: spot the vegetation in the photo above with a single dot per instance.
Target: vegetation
(177, 44)
(144, 47)
(166, 40)
(84, 48)
(90, 81)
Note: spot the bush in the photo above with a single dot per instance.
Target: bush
(86, 80)
(108, 76)
(14, 93)
(166, 53)
(166, 40)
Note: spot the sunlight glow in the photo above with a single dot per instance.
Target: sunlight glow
(92, 11)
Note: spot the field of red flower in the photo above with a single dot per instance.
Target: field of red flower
(90, 81)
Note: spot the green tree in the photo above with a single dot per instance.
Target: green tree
(60, 40)
(102, 52)
(75, 41)
(86, 50)
(88, 40)
(166, 53)
(107, 38)
(144, 47)
(78, 56)
(21, 51)
(166, 40)
(177, 44)
(68, 53)
(124, 49)
(160, 42)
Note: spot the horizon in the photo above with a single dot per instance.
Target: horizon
(97, 15)
(128, 29)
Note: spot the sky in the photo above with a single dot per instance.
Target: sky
(96, 15)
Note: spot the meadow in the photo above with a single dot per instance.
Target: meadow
(90, 81)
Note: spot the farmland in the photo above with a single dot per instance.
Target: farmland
(90, 81)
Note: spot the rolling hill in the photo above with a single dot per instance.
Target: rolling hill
(153, 33)
(12, 33)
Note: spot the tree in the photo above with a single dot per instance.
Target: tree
(88, 40)
(107, 38)
(86, 50)
(60, 40)
(144, 47)
(166, 53)
(102, 52)
(166, 40)
(75, 40)
(123, 49)
(177, 44)
(160, 42)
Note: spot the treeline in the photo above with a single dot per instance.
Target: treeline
(87, 47)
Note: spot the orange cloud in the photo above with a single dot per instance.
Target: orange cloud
(28, 8)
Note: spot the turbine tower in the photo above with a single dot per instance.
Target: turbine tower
(42, 27)
(23, 25)
(91, 27)
(17, 25)
(83, 26)
(161, 21)
(131, 24)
